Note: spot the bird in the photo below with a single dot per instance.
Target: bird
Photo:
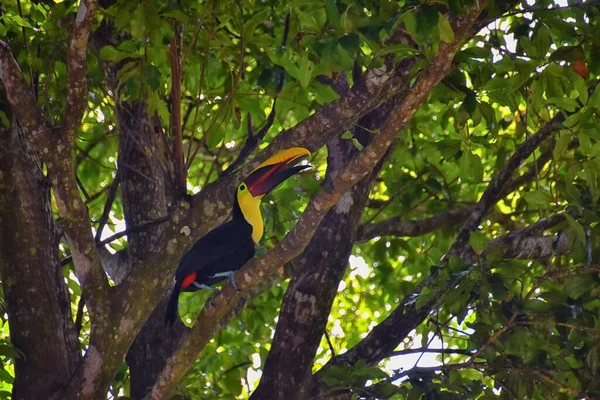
(223, 251)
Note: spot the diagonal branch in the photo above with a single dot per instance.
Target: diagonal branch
(395, 226)
(211, 319)
(77, 68)
(308, 299)
(527, 244)
(385, 337)
(498, 186)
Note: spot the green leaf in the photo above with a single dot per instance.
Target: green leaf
(398, 49)
(566, 103)
(488, 114)
(478, 241)
(576, 228)
(176, 14)
(250, 104)
(4, 122)
(538, 197)
(305, 70)
(594, 100)
(5, 376)
(350, 43)
(581, 88)
(10, 352)
(446, 32)
(346, 21)
(537, 306)
(155, 104)
(357, 144)
(543, 40)
(449, 147)
(20, 21)
(567, 53)
(562, 143)
(427, 21)
(333, 15)
(410, 22)
(109, 53)
(425, 295)
(387, 390)
(323, 93)
(335, 375)
(250, 25)
(471, 168)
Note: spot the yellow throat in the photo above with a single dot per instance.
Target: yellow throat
(250, 207)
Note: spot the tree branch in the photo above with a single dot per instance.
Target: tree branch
(541, 374)
(427, 350)
(524, 244)
(385, 337)
(211, 319)
(77, 68)
(497, 187)
(311, 292)
(72, 209)
(395, 226)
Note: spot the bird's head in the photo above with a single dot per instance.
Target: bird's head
(268, 175)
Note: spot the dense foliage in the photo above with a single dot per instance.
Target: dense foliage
(512, 313)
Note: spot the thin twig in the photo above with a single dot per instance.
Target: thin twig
(119, 235)
(534, 9)
(428, 350)
(329, 343)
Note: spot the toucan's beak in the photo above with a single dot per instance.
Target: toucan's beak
(275, 170)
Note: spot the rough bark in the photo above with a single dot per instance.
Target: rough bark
(384, 338)
(36, 296)
(118, 319)
(498, 186)
(212, 319)
(146, 195)
(310, 294)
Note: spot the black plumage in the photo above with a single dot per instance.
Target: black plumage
(223, 250)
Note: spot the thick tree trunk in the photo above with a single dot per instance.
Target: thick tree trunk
(36, 296)
(287, 374)
(308, 300)
(146, 194)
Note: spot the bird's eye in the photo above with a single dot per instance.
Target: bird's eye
(242, 187)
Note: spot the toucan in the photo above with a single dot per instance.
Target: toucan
(225, 249)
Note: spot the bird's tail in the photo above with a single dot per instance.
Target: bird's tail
(172, 309)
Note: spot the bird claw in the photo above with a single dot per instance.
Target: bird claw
(205, 287)
(229, 275)
(232, 281)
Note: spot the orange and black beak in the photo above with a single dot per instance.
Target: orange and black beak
(275, 170)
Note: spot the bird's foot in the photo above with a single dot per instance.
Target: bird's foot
(206, 287)
(232, 281)
(229, 275)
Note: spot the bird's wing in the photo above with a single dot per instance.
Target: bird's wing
(215, 245)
